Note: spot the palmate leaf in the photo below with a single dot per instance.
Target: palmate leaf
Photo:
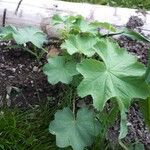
(23, 35)
(85, 26)
(115, 77)
(6, 33)
(30, 34)
(77, 132)
(58, 69)
(80, 44)
(119, 76)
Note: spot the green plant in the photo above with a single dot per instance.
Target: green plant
(26, 129)
(108, 72)
(25, 35)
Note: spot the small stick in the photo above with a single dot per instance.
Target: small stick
(4, 17)
(18, 7)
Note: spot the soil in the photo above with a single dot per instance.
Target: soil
(23, 84)
(21, 78)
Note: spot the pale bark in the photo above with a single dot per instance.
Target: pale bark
(39, 12)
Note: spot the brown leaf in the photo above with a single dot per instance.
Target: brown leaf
(53, 51)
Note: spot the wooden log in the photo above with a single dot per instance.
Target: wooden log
(39, 12)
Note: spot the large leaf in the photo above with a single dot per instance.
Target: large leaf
(58, 69)
(77, 132)
(119, 76)
(30, 34)
(80, 44)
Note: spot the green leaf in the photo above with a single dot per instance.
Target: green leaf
(136, 146)
(118, 76)
(30, 34)
(104, 25)
(134, 35)
(58, 69)
(123, 106)
(145, 108)
(80, 44)
(6, 33)
(57, 19)
(147, 75)
(85, 26)
(77, 132)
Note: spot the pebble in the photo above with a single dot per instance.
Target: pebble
(35, 69)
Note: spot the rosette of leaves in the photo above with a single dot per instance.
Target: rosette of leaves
(78, 24)
(108, 71)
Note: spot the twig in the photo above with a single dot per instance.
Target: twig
(4, 17)
(18, 7)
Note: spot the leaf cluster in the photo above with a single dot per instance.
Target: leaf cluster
(108, 73)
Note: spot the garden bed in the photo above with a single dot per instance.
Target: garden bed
(24, 85)
(87, 83)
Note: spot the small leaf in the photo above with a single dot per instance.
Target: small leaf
(116, 77)
(30, 34)
(58, 69)
(123, 106)
(84, 26)
(134, 35)
(57, 19)
(80, 44)
(77, 132)
(104, 25)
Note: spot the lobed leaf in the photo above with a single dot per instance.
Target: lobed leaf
(30, 34)
(85, 26)
(80, 44)
(115, 77)
(58, 69)
(23, 35)
(119, 76)
(77, 132)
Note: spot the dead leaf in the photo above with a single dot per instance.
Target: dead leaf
(53, 51)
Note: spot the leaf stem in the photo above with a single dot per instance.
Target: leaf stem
(74, 105)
